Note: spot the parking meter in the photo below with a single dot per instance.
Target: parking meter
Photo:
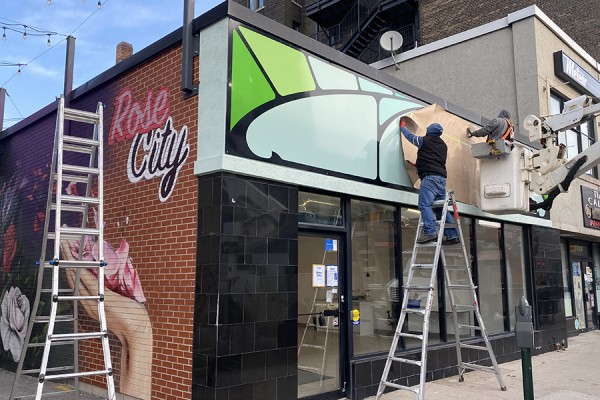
(524, 336)
(524, 325)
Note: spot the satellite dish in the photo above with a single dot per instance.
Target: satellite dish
(391, 41)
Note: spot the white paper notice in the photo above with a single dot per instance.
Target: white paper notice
(318, 275)
(332, 275)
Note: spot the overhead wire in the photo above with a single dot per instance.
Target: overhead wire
(100, 4)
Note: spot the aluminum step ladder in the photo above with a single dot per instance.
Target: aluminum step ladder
(410, 288)
(86, 169)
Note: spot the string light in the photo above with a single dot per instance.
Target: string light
(48, 42)
(99, 4)
(19, 71)
(3, 33)
(25, 32)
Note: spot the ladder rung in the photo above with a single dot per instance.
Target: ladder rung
(447, 224)
(421, 266)
(78, 149)
(469, 326)
(78, 374)
(42, 344)
(401, 387)
(433, 243)
(478, 367)
(414, 311)
(72, 178)
(461, 287)
(49, 369)
(81, 170)
(406, 361)
(313, 346)
(81, 116)
(70, 207)
(462, 308)
(473, 346)
(439, 203)
(79, 231)
(80, 199)
(74, 264)
(417, 288)
(410, 335)
(46, 394)
(59, 318)
(456, 267)
(81, 141)
(307, 368)
(77, 298)
(59, 290)
(76, 336)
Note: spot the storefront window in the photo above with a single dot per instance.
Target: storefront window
(319, 209)
(374, 288)
(489, 267)
(455, 256)
(565, 276)
(421, 277)
(515, 268)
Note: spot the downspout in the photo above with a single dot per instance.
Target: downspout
(69, 66)
(187, 51)
(2, 98)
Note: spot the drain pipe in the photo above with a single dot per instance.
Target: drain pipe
(2, 98)
(69, 64)
(187, 51)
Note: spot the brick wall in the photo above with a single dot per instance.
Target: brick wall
(443, 18)
(151, 338)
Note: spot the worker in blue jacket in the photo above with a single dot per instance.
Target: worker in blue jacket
(431, 167)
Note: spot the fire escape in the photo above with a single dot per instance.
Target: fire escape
(355, 26)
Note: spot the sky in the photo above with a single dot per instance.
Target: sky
(97, 32)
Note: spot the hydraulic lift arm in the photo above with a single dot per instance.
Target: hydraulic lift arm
(550, 173)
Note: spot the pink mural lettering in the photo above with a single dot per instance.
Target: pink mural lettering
(131, 117)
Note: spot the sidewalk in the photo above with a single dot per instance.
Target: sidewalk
(572, 374)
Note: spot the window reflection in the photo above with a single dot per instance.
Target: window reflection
(489, 268)
(455, 256)
(319, 209)
(515, 268)
(374, 289)
(421, 277)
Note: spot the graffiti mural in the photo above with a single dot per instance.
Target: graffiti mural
(157, 148)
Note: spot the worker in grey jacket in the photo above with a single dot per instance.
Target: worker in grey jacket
(500, 128)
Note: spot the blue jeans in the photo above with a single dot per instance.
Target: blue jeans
(433, 188)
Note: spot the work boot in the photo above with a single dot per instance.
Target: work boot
(426, 239)
(454, 240)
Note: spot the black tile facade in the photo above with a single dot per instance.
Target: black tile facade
(549, 293)
(245, 336)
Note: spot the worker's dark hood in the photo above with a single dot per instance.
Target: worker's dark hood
(504, 114)
(435, 129)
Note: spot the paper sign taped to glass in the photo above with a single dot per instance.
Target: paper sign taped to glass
(463, 169)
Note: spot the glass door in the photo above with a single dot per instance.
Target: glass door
(319, 322)
(578, 294)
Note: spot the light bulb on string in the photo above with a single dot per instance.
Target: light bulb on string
(3, 33)
(25, 32)
(48, 43)
(49, 2)
(19, 71)
(99, 4)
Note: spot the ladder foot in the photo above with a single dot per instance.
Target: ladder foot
(504, 389)
(461, 378)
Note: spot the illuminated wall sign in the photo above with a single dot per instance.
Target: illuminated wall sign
(570, 71)
(590, 199)
(158, 149)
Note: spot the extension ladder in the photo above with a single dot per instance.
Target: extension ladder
(471, 305)
(61, 207)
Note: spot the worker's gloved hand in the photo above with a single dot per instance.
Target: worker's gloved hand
(469, 132)
(402, 123)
